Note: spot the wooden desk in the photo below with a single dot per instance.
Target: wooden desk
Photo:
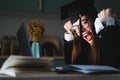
(55, 76)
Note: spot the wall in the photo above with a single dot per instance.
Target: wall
(34, 6)
(11, 21)
(114, 4)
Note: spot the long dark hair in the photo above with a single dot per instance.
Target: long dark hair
(94, 55)
(78, 45)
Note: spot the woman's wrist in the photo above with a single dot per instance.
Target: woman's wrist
(110, 21)
(68, 36)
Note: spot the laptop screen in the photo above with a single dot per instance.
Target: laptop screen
(24, 40)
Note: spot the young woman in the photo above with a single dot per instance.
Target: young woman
(81, 45)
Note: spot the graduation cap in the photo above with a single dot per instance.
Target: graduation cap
(73, 9)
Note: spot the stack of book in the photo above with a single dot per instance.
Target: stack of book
(17, 64)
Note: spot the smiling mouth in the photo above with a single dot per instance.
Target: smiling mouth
(87, 36)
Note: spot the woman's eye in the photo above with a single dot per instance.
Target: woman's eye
(84, 23)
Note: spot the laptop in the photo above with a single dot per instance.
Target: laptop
(24, 40)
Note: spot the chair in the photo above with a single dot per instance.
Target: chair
(50, 46)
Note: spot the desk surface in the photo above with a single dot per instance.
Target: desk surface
(55, 76)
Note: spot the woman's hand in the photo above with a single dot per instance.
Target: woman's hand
(104, 14)
(68, 26)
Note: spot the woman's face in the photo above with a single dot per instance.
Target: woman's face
(87, 25)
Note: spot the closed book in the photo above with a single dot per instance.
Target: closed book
(87, 69)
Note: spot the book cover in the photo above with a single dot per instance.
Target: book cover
(87, 69)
